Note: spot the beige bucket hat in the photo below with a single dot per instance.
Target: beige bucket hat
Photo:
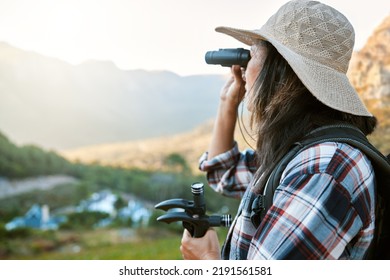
(317, 41)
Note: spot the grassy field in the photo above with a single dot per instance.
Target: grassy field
(166, 248)
(102, 244)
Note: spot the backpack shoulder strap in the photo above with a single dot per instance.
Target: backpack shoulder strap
(334, 133)
(352, 136)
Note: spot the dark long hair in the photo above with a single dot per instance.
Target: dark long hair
(284, 111)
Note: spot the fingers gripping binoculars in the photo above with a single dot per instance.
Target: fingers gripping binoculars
(228, 57)
(194, 217)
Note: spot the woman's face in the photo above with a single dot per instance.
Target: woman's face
(255, 64)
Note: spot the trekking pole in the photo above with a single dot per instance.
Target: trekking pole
(194, 217)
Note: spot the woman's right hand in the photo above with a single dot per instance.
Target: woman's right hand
(231, 96)
(234, 90)
(203, 248)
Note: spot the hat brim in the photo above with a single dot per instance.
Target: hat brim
(328, 85)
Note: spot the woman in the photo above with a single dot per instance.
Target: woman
(295, 82)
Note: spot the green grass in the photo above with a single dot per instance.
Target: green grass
(102, 244)
(166, 248)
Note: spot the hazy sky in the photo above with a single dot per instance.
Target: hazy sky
(151, 34)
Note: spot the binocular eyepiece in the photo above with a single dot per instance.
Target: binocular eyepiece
(228, 57)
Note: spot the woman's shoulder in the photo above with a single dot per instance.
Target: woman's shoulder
(345, 163)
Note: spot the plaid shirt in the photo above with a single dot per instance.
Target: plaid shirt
(322, 209)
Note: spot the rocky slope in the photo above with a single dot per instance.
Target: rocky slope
(370, 68)
(370, 74)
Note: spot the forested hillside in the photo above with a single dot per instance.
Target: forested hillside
(18, 162)
(30, 160)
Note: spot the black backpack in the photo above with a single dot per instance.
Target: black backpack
(380, 247)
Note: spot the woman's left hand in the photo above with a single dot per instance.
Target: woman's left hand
(203, 248)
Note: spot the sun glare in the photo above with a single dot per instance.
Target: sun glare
(150, 34)
(66, 31)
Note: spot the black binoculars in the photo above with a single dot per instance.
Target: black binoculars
(228, 57)
(194, 217)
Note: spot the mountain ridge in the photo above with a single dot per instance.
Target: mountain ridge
(57, 105)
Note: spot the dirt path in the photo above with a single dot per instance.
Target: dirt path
(15, 187)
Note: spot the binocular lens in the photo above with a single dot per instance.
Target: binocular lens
(228, 57)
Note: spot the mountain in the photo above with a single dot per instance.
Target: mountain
(370, 74)
(57, 105)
